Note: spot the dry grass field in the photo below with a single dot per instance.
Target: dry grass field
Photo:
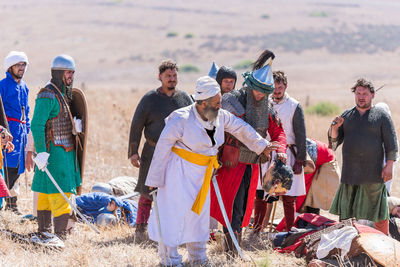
(324, 46)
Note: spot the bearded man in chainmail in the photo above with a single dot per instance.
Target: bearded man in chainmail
(52, 129)
(238, 180)
(149, 118)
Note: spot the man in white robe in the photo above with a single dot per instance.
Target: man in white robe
(195, 133)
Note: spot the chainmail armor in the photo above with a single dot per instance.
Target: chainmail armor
(58, 129)
(257, 116)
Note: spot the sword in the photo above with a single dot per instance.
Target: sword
(223, 211)
(163, 251)
(129, 195)
(69, 201)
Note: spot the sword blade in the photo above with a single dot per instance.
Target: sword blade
(223, 211)
(69, 201)
(163, 251)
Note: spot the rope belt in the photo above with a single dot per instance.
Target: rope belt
(211, 162)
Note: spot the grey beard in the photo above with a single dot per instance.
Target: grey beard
(210, 113)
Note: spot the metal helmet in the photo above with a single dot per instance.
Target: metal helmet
(106, 219)
(63, 62)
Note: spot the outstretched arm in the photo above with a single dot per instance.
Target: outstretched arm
(244, 132)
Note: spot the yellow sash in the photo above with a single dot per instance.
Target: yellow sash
(1, 159)
(202, 160)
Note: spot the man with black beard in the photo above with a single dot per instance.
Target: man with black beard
(14, 92)
(149, 117)
(52, 130)
(238, 177)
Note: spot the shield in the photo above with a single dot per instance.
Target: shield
(78, 107)
(381, 248)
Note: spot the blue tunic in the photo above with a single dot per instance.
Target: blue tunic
(15, 101)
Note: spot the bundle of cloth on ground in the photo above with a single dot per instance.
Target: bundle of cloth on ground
(99, 209)
(118, 186)
(316, 237)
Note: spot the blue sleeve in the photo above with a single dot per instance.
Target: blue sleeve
(28, 122)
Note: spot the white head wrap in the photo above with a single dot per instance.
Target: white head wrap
(13, 58)
(206, 87)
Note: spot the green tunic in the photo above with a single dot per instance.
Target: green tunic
(61, 164)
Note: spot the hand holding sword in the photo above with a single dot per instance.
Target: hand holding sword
(41, 160)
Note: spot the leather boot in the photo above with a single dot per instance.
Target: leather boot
(44, 221)
(260, 207)
(228, 243)
(238, 238)
(60, 226)
(229, 246)
(12, 205)
(289, 209)
(141, 233)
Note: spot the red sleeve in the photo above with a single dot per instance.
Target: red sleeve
(324, 153)
(277, 133)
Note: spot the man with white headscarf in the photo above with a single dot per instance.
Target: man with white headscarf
(14, 93)
(182, 165)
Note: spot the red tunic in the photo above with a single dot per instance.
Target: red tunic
(324, 155)
(229, 179)
(3, 188)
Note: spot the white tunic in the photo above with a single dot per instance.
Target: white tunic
(179, 181)
(285, 110)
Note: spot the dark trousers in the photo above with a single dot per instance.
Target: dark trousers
(10, 176)
(240, 202)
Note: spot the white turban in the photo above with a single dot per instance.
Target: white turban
(206, 87)
(13, 58)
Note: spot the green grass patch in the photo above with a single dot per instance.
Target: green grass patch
(244, 64)
(188, 68)
(318, 14)
(265, 16)
(189, 35)
(323, 109)
(172, 34)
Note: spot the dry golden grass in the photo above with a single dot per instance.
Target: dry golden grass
(117, 46)
(110, 117)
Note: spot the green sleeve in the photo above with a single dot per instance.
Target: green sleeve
(44, 110)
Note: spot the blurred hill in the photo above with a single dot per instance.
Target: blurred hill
(322, 45)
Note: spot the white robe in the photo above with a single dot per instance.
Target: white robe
(285, 110)
(179, 181)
